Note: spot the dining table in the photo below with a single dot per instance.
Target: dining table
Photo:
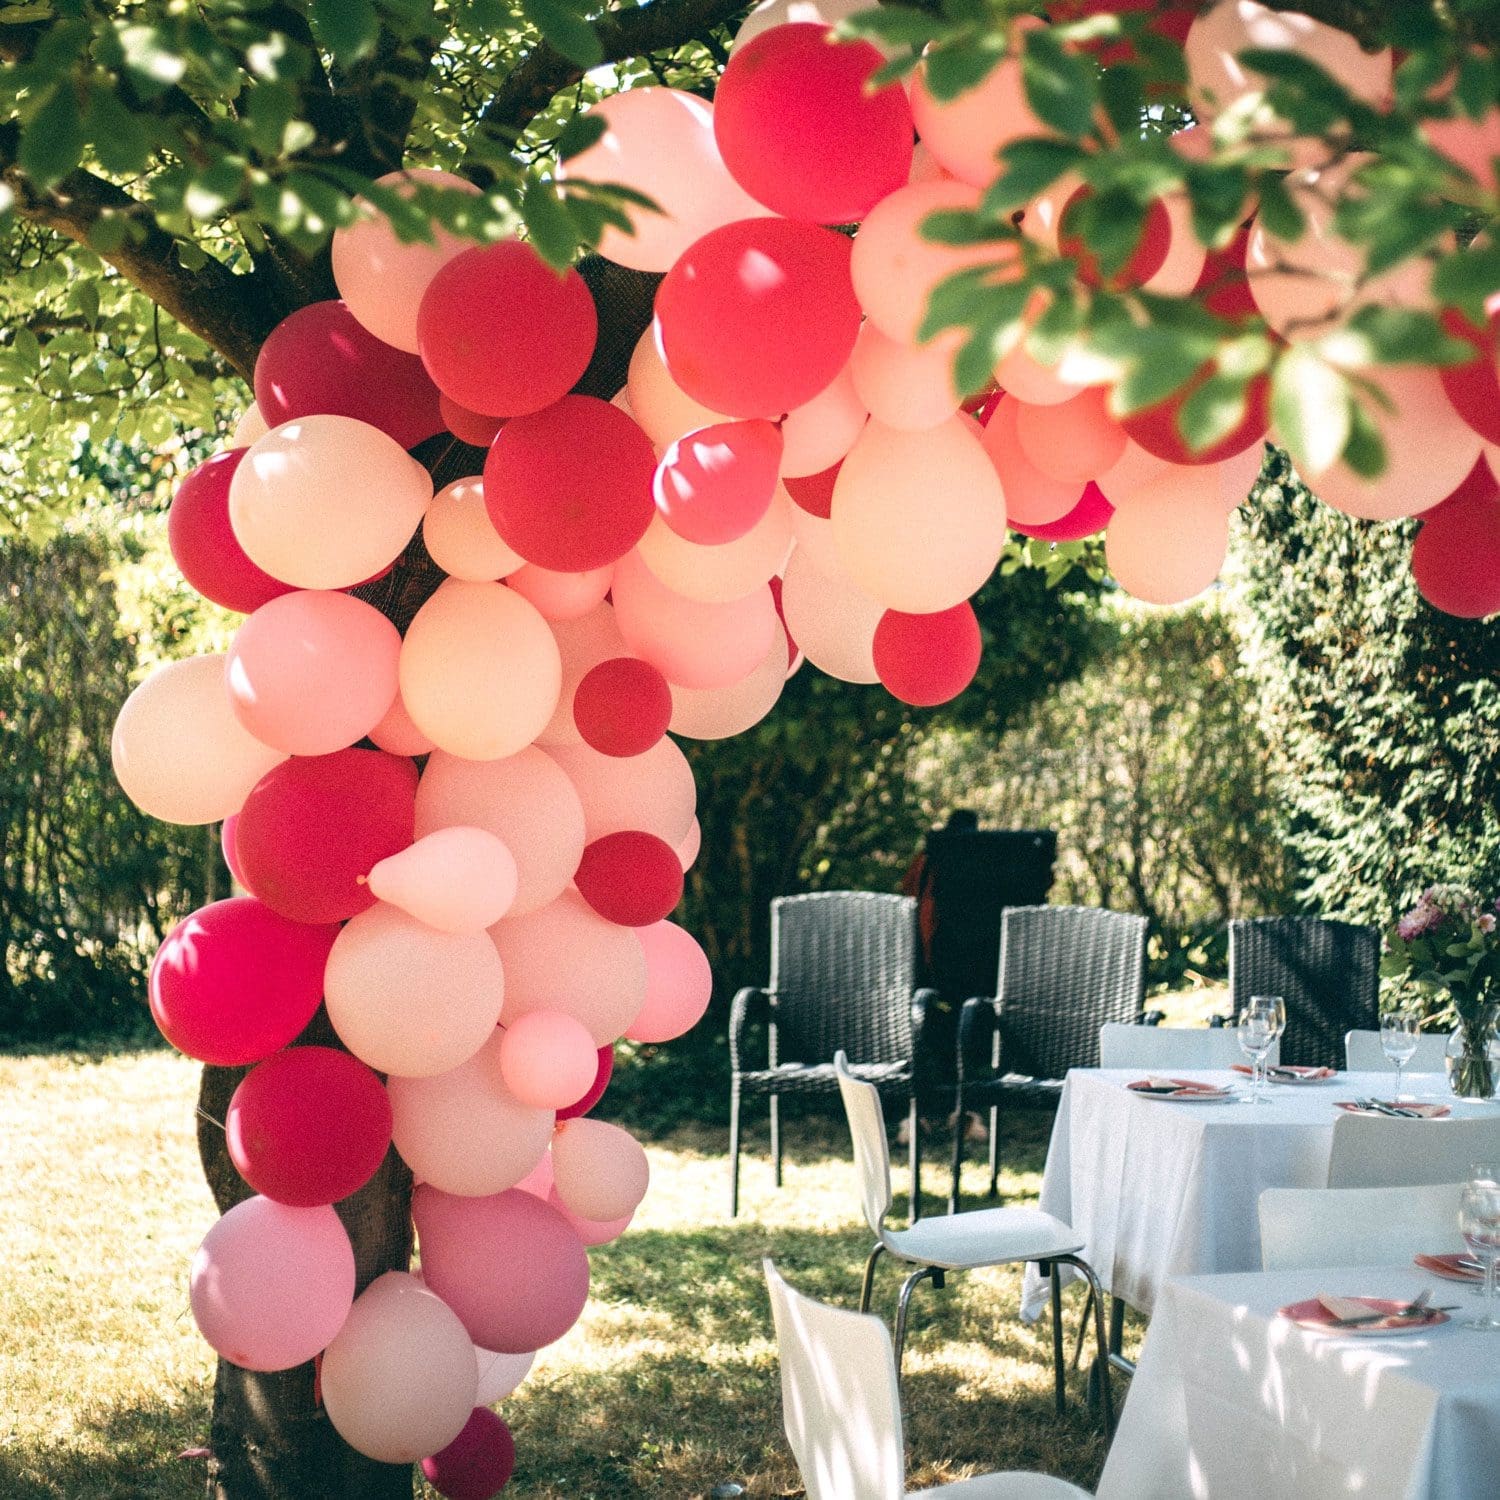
(1231, 1399)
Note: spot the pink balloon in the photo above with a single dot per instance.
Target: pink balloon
(234, 982)
(591, 1231)
(817, 434)
(1473, 144)
(460, 537)
(757, 317)
(548, 1059)
(1163, 552)
(500, 1374)
(271, 1285)
(1032, 497)
(653, 790)
(831, 618)
(226, 847)
(726, 571)
(690, 848)
(510, 1266)
(603, 1072)
(204, 544)
(308, 1126)
(679, 984)
(1074, 440)
(454, 879)
(398, 734)
(561, 596)
(1090, 516)
(908, 386)
(599, 1170)
(714, 484)
(718, 713)
(313, 828)
(478, 1463)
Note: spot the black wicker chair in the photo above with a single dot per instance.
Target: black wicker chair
(1327, 972)
(843, 977)
(1064, 972)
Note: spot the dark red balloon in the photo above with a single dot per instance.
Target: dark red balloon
(1155, 428)
(1145, 260)
(596, 1088)
(502, 333)
(569, 488)
(927, 659)
(1223, 286)
(758, 316)
(478, 1463)
(315, 825)
(308, 1126)
(1473, 387)
(1090, 516)
(322, 359)
(792, 647)
(204, 543)
(800, 130)
(235, 981)
(1456, 556)
(630, 877)
(814, 492)
(622, 707)
(1169, 19)
(471, 427)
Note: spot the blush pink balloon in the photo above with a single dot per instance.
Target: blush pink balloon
(664, 410)
(598, 1170)
(562, 596)
(397, 734)
(454, 879)
(500, 1374)
(690, 848)
(653, 790)
(679, 984)
(830, 617)
(591, 1231)
(909, 386)
(718, 713)
(510, 1266)
(820, 432)
(724, 572)
(234, 982)
(603, 1071)
(1073, 441)
(548, 1059)
(711, 486)
(460, 537)
(271, 1285)
(203, 542)
(1163, 553)
(478, 1463)
(1032, 497)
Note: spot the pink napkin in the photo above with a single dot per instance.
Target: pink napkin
(1418, 1111)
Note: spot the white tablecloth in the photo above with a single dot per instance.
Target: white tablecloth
(1228, 1400)
(1158, 1188)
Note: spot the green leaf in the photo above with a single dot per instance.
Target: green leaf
(1028, 167)
(1365, 450)
(955, 67)
(119, 139)
(1311, 408)
(897, 25)
(1062, 87)
(347, 28)
(957, 226)
(1468, 277)
(53, 140)
(549, 224)
(1279, 211)
(581, 132)
(1394, 336)
(566, 30)
(1212, 411)
(1166, 361)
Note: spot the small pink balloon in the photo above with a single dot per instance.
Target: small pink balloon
(603, 1072)
(718, 713)
(271, 1285)
(679, 984)
(1032, 497)
(460, 537)
(591, 1231)
(478, 1463)
(561, 596)
(454, 879)
(548, 1059)
(1164, 553)
(1073, 441)
(538, 1181)
(599, 1170)
(714, 484)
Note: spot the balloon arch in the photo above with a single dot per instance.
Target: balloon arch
(440, 741)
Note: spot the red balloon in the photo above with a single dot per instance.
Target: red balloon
(1089, 516)
(231, 854)
(1169, 19)
(1145, 260)
(622, 707)
(1155, 428)
(235, 982)
(814, 492)
(630, 877)
(471, 427)
(1456, 556)
(714, 484)
(315, 825)
(596, 1088)
(308, 1126)
(322, 359)
(1473, 387)
(502, 333)
(1223, 286)
(204, 543)
(928, 659)
(569, 488)
(791, 645)
(755, 318)
(478, 1463)
(800, 130)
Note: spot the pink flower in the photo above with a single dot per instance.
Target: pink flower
(1419, 921)
(1487, 922)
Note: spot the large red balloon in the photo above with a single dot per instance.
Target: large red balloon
(471, 427)
(236, 982)
(1473, 387)
(713, 484)
(204, 543)
(322, 359)
(315, 825)
(1089, 517)
(1456, 556)
(596, 1088)
(569, 488)
(502, 333)
(631, 877)
(758, 316)
(928, 659)
(800, 130)
(309, 1125)
(1145, 260)
(1155, 428)
(623, 706)
(1223, 286)
(478, 1463)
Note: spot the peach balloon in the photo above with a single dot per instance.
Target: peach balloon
(548, 1059)
(465, 1131)
(830, 619)
(397, 734)
(662, 408)
(771, 13)
(598, 1170)
(1032, 497)
(312, 672)
(408, 999)
(717, 713)
(690, 643)
(562, 596)
(689, 849)
(919, 517)
(582, 644)
(567, 958)
(179, 752)
(1473, 144)
(725, 572)
(817, 434)
(1022, 375)
(381, 277)
(1134, 468)
(399, 1381)
(660, 142)
(1165, 554)
(250, 426)
(526, 800)
(480, 673)
(1074, 440)
(653, 791)
(1178, 274)
(1222, 486)
(814, 537)
(907, 386)
(679, 983)
(500, 1374)
(326, 502)
(455, 879)
(460, 537)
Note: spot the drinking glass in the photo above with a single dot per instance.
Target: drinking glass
(1398, 1039)
(1479, 1219)
(1277, 1006)
(1257, 1030)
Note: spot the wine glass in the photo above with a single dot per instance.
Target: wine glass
(1398, 1040)
(1257, 1030)
(1277, 1007)
(1479, 1219)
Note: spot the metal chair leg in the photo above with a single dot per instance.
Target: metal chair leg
(959, 1121)
(1059, 1388)
(1116, 1325)
(868, 1287)
(995, 1151)
(907, 1288)
(776, 1138)
(914, 1157)
(1083, 1328)
(734, 1149)
(1101, 1337)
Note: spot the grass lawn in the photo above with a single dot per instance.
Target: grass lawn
(667, 1387)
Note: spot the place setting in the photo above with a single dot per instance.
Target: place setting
(1365, 1316)
(1181, 1090)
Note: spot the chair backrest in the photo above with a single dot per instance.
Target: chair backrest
(1379, 1151)
(843, 970)
(1327, 972)
(1372, 1226)
(1122, 1045)
(1364, 1054)
(872, 1151)
(1064, 972)
(840, 1404)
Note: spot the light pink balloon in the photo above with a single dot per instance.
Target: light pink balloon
(662, 408)
(465, 1131)
(526, 800)
(591, 1231)
(548, 1059)
(1222, 486)
(831, 619)
(1178, 274)
(1133, 470)
(817, 434)
(455, 879)
(725, 572)
(460, 537)
(271, 1285)
(718, 713)
(1032, 497)
(598, 1169)
(1075, 440)
(1473, 144)
(1164, 553)
(653, 791)
(400, 1380)
(408, 999)
(1026, 378)
(907, 386)
(250, 426)
(814, 536)
(312, 672)
(397, 734)
(679, 983)
(562, 596)
(500, 1374)
(538, 1181)
(691, 846)
(582, 645)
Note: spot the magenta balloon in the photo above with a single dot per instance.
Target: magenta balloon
(204, 544)
(478, 1463)
(316, 825)
(1089, 517)
(510, 1266)
(757, 317)
(231, 854)
(322, 359)
(714, 484)
(679, 984)
(271, 1285)
(308, 1126)
(235, 981)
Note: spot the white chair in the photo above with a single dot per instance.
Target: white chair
(1122, 1046)
(841, 1407)
(1305, 1227)
(1381, 1151)
(959, 1242)
(1364, 1054)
